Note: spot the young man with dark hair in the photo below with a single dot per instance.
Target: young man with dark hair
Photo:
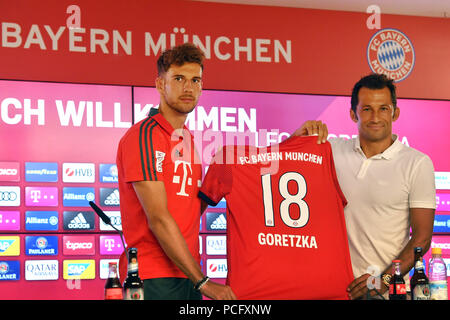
(159, 178)
(389, 187)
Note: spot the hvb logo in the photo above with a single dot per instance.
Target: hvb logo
(216, 268)
(79, 172)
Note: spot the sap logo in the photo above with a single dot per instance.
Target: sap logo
(10, 246)
(79, 172)
(5, 244)
(79, 269)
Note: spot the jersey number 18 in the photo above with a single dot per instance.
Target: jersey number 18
(288, 199)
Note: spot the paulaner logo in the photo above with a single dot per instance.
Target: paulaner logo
(40, 245)
(390, 52)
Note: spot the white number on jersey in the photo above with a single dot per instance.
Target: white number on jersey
(289, 199)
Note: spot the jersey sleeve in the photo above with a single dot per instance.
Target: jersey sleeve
(218, 181)
(423, 188)
(142, 153)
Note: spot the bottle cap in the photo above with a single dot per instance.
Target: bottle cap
(396, 261)
(436, 251)
(417, 249)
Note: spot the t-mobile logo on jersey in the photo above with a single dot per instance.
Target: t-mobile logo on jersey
(186, 179)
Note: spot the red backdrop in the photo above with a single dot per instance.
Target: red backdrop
(327, 48)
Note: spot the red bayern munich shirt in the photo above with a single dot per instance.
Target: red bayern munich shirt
(286, 233)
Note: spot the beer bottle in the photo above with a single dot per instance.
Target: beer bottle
(133, 286)
(113, 288)
(420, 288)
(397, 287)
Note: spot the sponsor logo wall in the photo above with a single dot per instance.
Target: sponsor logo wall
(63, 156)
(52, 245)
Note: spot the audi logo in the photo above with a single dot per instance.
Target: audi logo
(8, 196)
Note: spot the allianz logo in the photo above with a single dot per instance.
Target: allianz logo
(73, 196)
(53, 220)
(442, 223)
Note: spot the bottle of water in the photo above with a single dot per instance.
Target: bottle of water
(437, 275)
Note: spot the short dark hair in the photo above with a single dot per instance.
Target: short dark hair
(373, 81)
(178, 56)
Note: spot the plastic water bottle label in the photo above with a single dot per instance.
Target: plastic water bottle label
(439, 290)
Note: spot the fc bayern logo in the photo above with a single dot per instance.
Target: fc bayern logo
(390, 52)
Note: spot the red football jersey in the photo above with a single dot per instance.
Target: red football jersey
(152, 151)
(286, 234)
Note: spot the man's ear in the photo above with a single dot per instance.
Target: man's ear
(159, 83)
(353, 116)
(396, 114)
